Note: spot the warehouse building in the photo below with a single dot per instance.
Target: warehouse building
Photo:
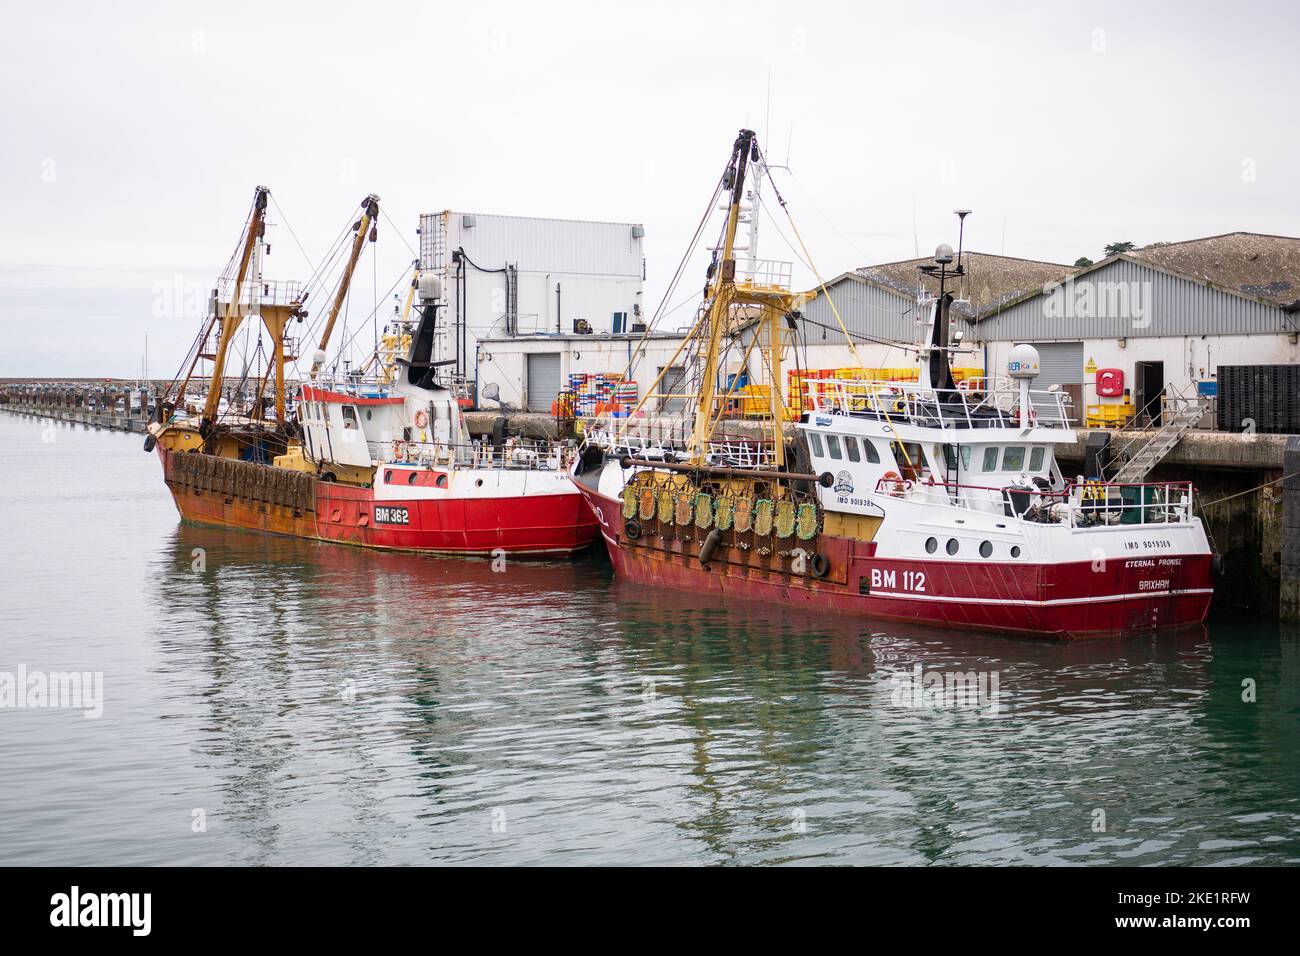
(514, 278)
(1122, 336)
(877, 305)
(1156, 323)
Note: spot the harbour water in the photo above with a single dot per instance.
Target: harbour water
(274, 701)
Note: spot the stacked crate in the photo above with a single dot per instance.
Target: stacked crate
(1262, 398)
(598, 393)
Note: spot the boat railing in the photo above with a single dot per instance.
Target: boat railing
(730, 451)
(1078, 504)
(513, 454)
(997, 407)
(764, 274)
(265, 292)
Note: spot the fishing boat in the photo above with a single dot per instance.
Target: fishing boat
(920, 501)
(379, 457)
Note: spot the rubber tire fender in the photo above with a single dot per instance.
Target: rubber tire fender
(820, 565)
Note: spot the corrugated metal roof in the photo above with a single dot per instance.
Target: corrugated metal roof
(989, 282)
(568, 246)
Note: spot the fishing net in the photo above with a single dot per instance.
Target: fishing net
(744, 514)
(784, 518)
(724, 512)
(807, 521)
(703, 511)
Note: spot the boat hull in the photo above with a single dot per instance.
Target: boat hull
(542, 525)
(1066, 601)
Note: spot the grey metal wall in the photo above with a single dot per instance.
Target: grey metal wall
(1170, 306)
(868, 312)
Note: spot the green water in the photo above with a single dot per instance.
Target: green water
(289, 702)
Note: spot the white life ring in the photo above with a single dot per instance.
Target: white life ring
(421, 418)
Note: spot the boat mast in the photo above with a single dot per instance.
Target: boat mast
(234, 316)
(723, 292)
(363, 227)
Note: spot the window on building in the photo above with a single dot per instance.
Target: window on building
(833, 446)
(1014, 458)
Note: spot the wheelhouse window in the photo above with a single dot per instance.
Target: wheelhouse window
(966, 454)
(815, 442)
(873, 456)
(851, 446)
(1013, 459)
(1036, 458)
(349, 417)
(990, 462)
(833, 446)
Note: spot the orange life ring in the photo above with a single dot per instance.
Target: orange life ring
(421, 418)
(896, 479)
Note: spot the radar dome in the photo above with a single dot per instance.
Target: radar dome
(430, 287)
(1022, 362)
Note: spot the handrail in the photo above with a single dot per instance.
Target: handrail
(941, 408)
(1069, 504)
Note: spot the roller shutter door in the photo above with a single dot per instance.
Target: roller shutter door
(672, 383)
(543, 380)
(1061, 363)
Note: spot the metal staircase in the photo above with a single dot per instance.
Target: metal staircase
(1137, 449)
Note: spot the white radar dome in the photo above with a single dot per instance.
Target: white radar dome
(1022, 362)
(430, 287)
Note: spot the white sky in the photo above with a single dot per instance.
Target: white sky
(133, 138)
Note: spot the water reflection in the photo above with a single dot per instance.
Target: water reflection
(363, 707)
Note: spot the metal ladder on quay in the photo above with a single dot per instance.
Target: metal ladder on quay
(1138, 449)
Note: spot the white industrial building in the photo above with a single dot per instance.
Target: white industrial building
(1164, 317)
(519, 279)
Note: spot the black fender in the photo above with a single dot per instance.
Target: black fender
(820, 565)
(710, 546)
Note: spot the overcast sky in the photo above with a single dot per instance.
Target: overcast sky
(135, 133)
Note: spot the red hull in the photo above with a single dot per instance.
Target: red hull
(554, 525)
(1058, 601)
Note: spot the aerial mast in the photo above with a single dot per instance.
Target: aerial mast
(235, 315)
(723, 292)
(363, 227)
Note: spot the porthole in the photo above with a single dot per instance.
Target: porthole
(388, 476)
(986, 549)
(931, 545)
(442, 481)
(478, 482)
(952, 546)
(410, 479)
(1015, 550)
